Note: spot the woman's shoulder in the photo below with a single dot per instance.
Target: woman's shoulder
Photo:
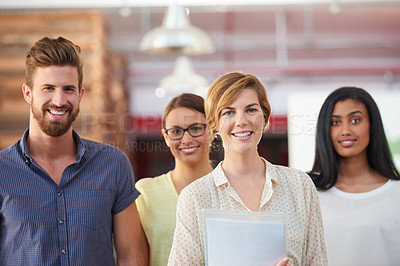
(395, 187)
(200, 194)
(292, 179)
(290, 173)
(152, 183)
(202, 183)
(396, 183)
(199, 189)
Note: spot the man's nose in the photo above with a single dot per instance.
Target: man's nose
(58, 98)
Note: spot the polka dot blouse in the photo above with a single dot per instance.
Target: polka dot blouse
(286, 190)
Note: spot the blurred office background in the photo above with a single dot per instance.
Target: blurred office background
(291, 45)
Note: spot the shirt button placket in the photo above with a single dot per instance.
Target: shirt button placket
(62, 227)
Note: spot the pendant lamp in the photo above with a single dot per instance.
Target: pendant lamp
(183, 79)
(176, 34)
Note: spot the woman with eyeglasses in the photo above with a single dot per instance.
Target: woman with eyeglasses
(186, 134)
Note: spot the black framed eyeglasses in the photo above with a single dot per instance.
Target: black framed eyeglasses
(194, 130)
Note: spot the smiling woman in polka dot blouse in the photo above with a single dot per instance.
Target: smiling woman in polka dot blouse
(237, 108)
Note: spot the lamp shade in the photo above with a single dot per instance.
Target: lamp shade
(176, 34)
(183, 79)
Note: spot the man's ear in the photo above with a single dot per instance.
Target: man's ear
(27, 92)
(82, 91)
(165, 137)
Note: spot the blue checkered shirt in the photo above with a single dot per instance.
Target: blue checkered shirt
(42, 223)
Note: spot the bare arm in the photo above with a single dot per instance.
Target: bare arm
(130, 240)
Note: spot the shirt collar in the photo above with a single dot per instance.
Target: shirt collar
(22, 145)
(221, 179)
(219, 176)
(80, 146)
(270, 171)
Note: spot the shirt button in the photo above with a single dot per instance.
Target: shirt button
(63, 251)
(59, 193)
(60, 221)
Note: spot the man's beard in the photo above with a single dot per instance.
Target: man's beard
(54, 128)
